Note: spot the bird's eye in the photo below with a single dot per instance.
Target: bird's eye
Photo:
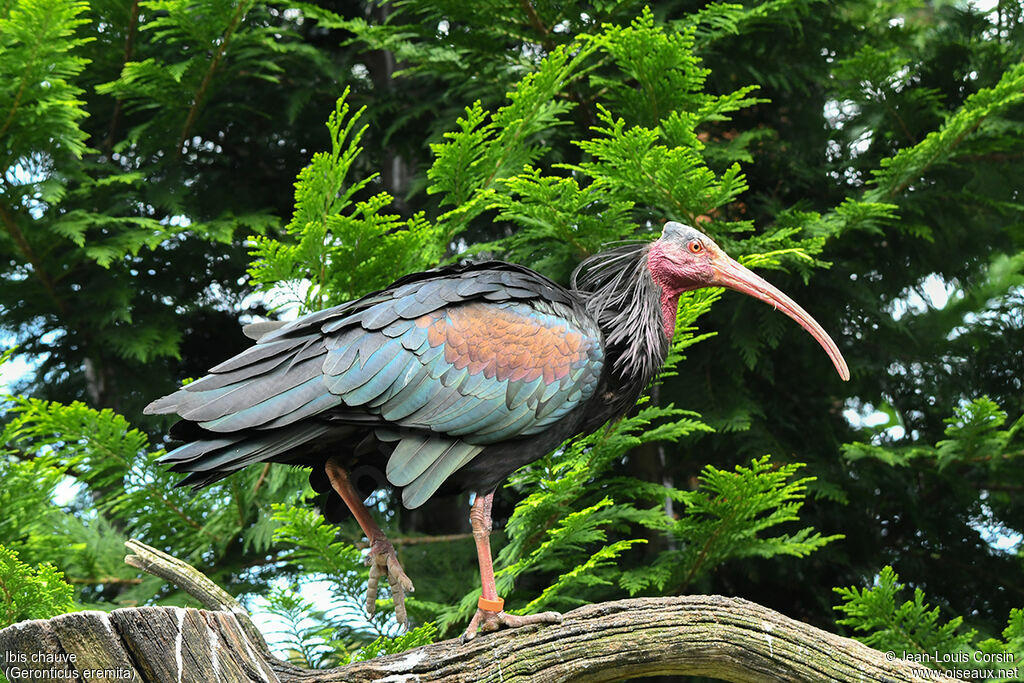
(696, 247)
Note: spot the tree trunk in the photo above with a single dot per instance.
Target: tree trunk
(726, 638)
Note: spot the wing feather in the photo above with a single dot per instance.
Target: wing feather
(269, 409)
(318, 405)
(343, 353)
(201, 406)
(473, 417)
(500, 427)
(410, 398)
(258, 352)
(382, 382)
(371, 360)
(379, 316)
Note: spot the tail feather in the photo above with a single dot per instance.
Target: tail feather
(208, 460)
(413, 455)
(427, 483)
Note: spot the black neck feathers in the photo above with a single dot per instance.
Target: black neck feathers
(621, 296)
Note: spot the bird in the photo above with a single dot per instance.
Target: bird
(452, 379)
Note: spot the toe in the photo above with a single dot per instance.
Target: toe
(470, 633)
(485, 621)
(371, 591)
(397, 575)
(398, 597)
(384, 562)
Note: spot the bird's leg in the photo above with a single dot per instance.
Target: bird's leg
(382, 558)
(489, 614)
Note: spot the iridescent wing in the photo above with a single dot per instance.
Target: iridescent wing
(441, 364)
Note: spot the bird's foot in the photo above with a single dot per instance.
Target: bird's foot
(485, 621)
(384, 562)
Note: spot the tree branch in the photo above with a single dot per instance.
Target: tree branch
(129, 50)
(700, 635)
(218, 54)
(537, 24)
(26, 250)
(416, 540)
(195, 583)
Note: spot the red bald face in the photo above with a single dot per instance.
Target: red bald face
(681, 260)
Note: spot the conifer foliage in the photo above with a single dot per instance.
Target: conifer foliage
(866, 153)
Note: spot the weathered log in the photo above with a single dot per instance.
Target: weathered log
(725, 638)
(195, 583)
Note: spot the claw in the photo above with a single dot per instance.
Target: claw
(384, 562)
(486, 621)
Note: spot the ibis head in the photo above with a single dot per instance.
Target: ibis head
(685, 259)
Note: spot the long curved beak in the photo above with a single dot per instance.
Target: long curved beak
(729, 273)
